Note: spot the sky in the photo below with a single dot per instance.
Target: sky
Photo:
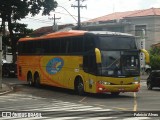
(94, 9)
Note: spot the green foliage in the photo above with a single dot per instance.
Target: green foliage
(13, 10)
(18, 9)
(155, 58)
(20, 30)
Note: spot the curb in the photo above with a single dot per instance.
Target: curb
(7, 91)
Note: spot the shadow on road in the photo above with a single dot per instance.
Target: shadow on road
(63, 91)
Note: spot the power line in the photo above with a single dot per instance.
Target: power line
(72, 15)
(66, 6)
(43, 21)
(68, 13)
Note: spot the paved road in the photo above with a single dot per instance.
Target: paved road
(64, 104)
(56, 109)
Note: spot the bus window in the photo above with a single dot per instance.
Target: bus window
(63, 45)
(116, 43)
(89, 62)
(46, 46)
(89, 43)
(75, 45)
(38, 47)
(55, 46)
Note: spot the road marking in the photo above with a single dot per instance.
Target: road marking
(38, 103)
(135, 102)
(100, 105)
(83, 99)
(120, 108)
(58, 109)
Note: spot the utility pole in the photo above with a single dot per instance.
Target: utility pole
(79, 16)
(0, 61)
(55, 27)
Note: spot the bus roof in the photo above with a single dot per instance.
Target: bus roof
(56, 35)
(108, 33)
(73, 33)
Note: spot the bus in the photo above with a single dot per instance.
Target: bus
(84, 61)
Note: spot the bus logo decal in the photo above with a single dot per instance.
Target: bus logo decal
(54, 65)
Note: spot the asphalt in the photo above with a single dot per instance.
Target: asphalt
(7, 88)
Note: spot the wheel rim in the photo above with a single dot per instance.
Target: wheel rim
(149, 86)
(30, 81)
(80, 87)
(37, 81)
(7, 74)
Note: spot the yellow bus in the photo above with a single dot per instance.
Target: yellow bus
(85, 61)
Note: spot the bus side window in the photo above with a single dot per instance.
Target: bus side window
(75, 45)
(89, 43)
(20, 48)
(46, 45)
(39, 49)
(31, 47)
(89, 62)
(55, 46)
(64, 47)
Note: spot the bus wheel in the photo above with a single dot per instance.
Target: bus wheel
(29, 79)
(115, 93)
(79, 86)
(149, 85)
(37, 80)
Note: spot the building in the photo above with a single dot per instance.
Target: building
(50, 29)
(133, 22)
(156, 45)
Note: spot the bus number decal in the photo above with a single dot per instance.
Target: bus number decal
(54, 65)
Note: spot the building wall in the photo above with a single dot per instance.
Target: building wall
(152, 24)
(157, 29)
(149, 22)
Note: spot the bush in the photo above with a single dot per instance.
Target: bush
(155, 58)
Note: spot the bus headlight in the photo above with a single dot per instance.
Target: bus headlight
(104, 83)
(135, 82)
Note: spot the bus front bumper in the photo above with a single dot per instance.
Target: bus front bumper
(117, 88)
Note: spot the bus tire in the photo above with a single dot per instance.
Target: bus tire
(149, 85)
(79, 86)
(115, 93)
(37, 80)
(7, 75)
(30, 79)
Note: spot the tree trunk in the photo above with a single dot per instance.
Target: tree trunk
(13, 44)
(3, 30)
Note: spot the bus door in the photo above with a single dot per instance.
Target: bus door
(90, 69)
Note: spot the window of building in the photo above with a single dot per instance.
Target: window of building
(139, 30)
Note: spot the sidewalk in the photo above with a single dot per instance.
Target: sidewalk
(6, 88)
(144, 77)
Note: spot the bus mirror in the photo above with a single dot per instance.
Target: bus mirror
(146, 55)
(98, 55)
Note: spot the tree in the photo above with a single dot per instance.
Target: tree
(155, 58)
(13, 10)
(19, 31)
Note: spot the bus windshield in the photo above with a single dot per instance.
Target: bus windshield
(116, 42)
(120, 63)
(120, 56)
